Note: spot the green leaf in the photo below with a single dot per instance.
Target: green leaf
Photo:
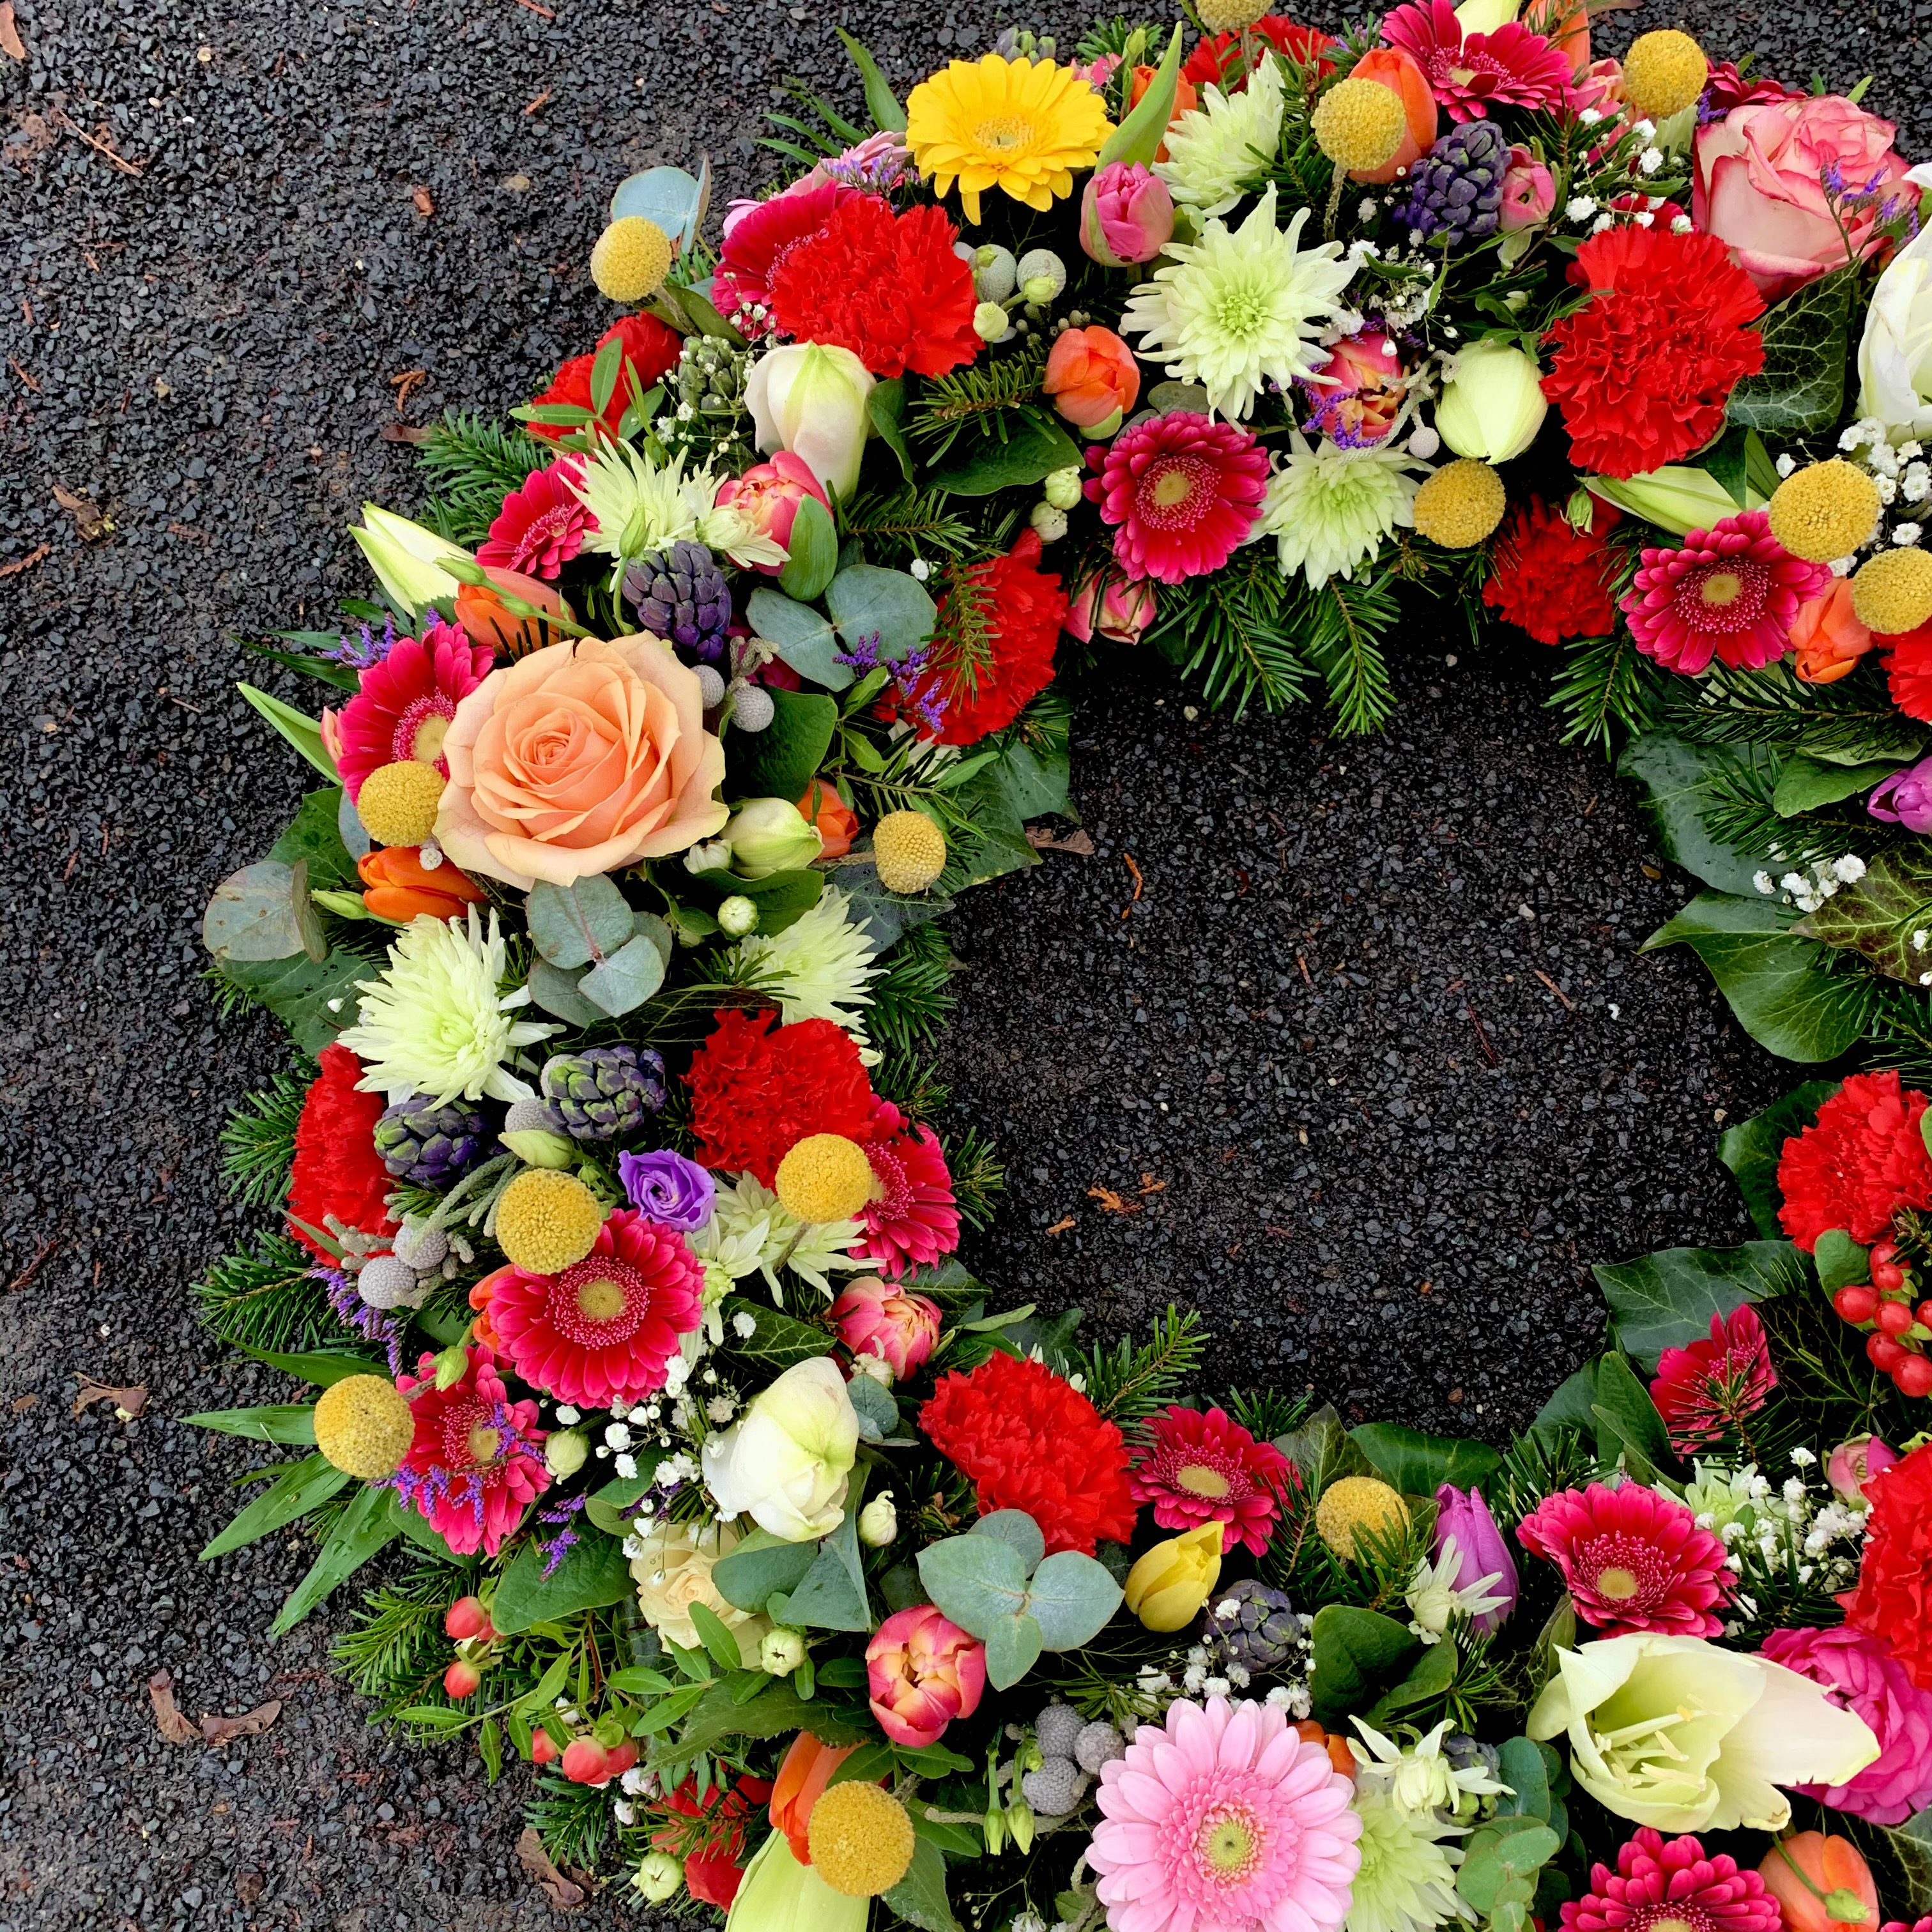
(1357, 1651)
(1886, 916)
(1527, 1777)
(1324, 1451)
(1418, 1465)
(878, 1413)
(490, 1743)
(1626, 1420)
(571, 926)
(975, 1579)
(1032, 452)
(1034, 784)
(891, 605)
(761, 1564)
(261, 913)
(1840, 1261)
(1903, 1856)
(919, 1898)
(885, 404)
(324, 1368)
(315, 834)
(722, 1646)
(669, 196)
(593, 1573)
(298, 992)
(1892, 742)
(1753, 1151)
(1800, 389)
(626, 979)
(297, 727)
(1433, 1677)
(1805, 783)
(1569, 1408)
(1016, 1527)
(1501, 1857)
(1071, 1597)
(301, 1487)
(813, 550)
(603, 369)
(778, 1340)
(881, 102)
(1666, 1300)
(781, 760)
(1013, 1649)
(556, 992)
(805, 640)
(777, 1709)
(276, 1422)
(1674, 778)
(832, 1596)
(1138, 136)
(368, 1525)
(782, 897)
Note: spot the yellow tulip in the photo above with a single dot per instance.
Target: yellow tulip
(1168, 1586)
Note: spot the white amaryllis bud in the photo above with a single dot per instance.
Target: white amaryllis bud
(810, 397)
(878, 1521)
(1491, 408)
(770, 835)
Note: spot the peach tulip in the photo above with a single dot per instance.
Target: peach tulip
(1091, 376)
(488, 620)
(1827, 635)
(838, 823)
(1821, 1884)
(801, 1779)
(1403, 75)
(922, 1671)
(396, 884)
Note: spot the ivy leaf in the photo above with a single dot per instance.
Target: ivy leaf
(1674, 778)
(1805, 783)
(777, 1340)
(1418, 1465)
(1887, 917)
(1666, 1300)
(1801, 389)
(1753, 1151)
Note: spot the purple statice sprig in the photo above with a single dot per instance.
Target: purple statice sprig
(559, 1519)
(363, 652)
(903, 674)
(352, 1311)
(428, 1490)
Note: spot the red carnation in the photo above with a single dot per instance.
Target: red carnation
(1218, 57)
(1643, 371)
(1862, 1161)
(968, 690)
(650, 348)
(1894, 1600)
(888, 287)
(755, 1093)
(1908, 671)
(713, 1858)
(1031, 1440)
(1552, 579)
(337, 1170)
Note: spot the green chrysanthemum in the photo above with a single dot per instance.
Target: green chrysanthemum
(1407, 1882)
(1328, 508)
(1217, 152)
(820, 966)
(1240, 307)
(436, 1022)
(639, 508)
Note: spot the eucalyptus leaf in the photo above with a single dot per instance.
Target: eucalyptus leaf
(891, 605)
(626, 979)
(256, 914)
(676, 201)
(1071, 1596)
(1016, 1527)
(878, 1413)
(804, 639)
(1013, 1649)
(975, 1580)
(832, 1596)
(759, 1564)
(571, 926)
(557, 992)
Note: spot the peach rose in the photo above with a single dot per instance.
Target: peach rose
(1091, 376)
(1827, 635)
(581, 758)
(1402, 75)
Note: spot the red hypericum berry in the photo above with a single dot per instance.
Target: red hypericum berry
(1855, 1302)
(622, 1755)
(543, 1748)
(1885, 1251)
(466, 1618)
(1924, 1312)
(1893, 1317)
(1882, 1352)
(585, 1762)
(462, 1679)
(1913, 1376)
(1887, 1276)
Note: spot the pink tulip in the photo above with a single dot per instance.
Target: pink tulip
(1528, 192)
(1358, 391)
(1480, 1549)
(1121, 612)
(1126, 215)
(874, 1317)
(922, 1671)
(768, 495)
(1853, 1464)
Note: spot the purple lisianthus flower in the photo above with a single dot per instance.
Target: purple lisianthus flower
(1905, 798)
(1480, 1550)
(668, 1188)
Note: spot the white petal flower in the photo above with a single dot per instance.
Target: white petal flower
(821, 966)
(1328, 508)
(1217, 152)
(639, 507)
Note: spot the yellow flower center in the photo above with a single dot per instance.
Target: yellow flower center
(483, 1443)
(1003, 132)
(601, 1299)
(1229, 1845)
(1670, 1925)
(1174, 486)
(427, 747)
(1619, 1585)
(1240, 313)
(1200, 1480)
(1721, 588)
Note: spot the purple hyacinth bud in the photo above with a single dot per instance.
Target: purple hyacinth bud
(1905, 798)
(671, 1190)
(1480, 1550)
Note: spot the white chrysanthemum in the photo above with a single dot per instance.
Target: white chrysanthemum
(639, 507)
(820, 966)
(1407, 1880)
(1217, 152)
(1328, 508)
(1240, 307)
(746, 1213)
(1420, 1778)
(436, 1022)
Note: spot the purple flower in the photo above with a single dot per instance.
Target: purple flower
(668, 1188)
(1480, 1550)
(1905, 798)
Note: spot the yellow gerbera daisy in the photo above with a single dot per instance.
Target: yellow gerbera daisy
(1022, 125)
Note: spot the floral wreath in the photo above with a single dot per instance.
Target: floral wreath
(618, 1245)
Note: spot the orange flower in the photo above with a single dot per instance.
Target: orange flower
(1091, 375)
(1402, 75)
(838, 823)
(1827, 636)
(480, 1297)
(396, 884)
(1186, 96)
(1821, 1884)
(488, 621)
(807, 1770)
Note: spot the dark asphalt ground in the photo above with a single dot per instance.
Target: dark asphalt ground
(204, 344)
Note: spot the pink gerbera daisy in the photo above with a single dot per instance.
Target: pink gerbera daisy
(758, 235)
(603, 1330)
(405, 704)
(540, 527)
(1633, 1559)
(912, 1220)
(1183, 490)
(1201, 1468)
(1225, 1817)
(1468, 73)
(1710, 1387)
(1672, 1885)
(477, 1461)
(1732, 591)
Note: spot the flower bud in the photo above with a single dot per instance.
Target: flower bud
(994, 1825)
(452, 1364)
(991, 323)
(770, 835)
(1126, 215)
(781, 1651)
(1493, 406)
(1049, 524)
(737, 916)
(1020, 1819)
(1121, 612)
(1166, 1588)
(658, 1879)
(995, 273)
(810, 398)
(1529, 193)
(1062, 488)
(709, 855)
(879, 1520)
(565, 1451)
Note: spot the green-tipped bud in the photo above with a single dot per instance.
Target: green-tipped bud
(737, 916)
(1019, 1822)
(770, 835)
(565, 1451)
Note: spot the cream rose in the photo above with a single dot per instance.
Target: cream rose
(674, 1572)
(581, 758)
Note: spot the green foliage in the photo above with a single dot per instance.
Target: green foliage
(573, 1820)
(1801, 389)
(264, 1297)
(1238, 632)
(258, 1144)
(1130, 1381)
(975, 400)
(898, 526)
(472, 462)
(394, 1650)
(978, 1175)
(815, 131)
(1265, 1414)
(1606, 686)
(1343, 635)
(1667, 1300)
(913, 999)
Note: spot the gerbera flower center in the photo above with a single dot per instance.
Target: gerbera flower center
(1618, 1584)
(1726, 596)
(891, 1200)
(483, 1442)
(1199, 1479)
(1174, 491)
(1721, 586)
(1670, 1925)
(1001, 133)
(421, 728)
(1230, 1844)
(599, 1301)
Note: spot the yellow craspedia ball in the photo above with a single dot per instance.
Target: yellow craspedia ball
(1351, 1503)
(1359, 124)
(1460, 504)
(860, 1839)
(1825, 510)
(364, 1425)
(630, 259)
(397, 802)
(911, 851)
(1663, 73)
(1230, 17)
(547, 1219)
(824, 1178)
(1893, 592)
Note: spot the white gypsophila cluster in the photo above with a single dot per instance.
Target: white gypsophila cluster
(1776, 1537)
(1902, 476)
(1809, 890)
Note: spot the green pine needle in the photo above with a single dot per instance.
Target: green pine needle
(395, 1649)
(978, 1173)
(1237, 631)
(905, 525)
(258, 1144)
(1606, 686)
(473, 463)
(914, 998)
(572, 1819)
(1128, 1381)
(265, 1298)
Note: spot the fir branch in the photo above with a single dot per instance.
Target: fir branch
(1899, 1033)
(265, 1298)
(1772, 708)
(395, 1649)
(912, 1084)
(976, 398)
(1266, 1415)
(1235, 628)
(1130, 1381)
(1345, 642)
(978, 1175)
(258, 1144)
(906, 522)
(912, 999)
(572, 1819)
(1605, 685)
(473, 463)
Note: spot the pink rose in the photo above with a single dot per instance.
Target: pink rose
(875, 1319)
(768, 495)
(922, 1671)
(1861, 1674)
(1853, 1464)
(1528, 192)
(1358, 390)
(1759, 185)
(1126, 215)
(1121, 612)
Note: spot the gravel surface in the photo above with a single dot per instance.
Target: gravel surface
(204, 349)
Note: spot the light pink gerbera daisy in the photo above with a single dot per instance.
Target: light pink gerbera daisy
(1674, 1885)
(1202, 1467)
(1633, 1559)
(758, 235)
(405, 704)
(540, 527)
(1731, 591)
(912, 1220)
(1468, 73)
(1224, 1820)
(1183, 492)
(477, 1460)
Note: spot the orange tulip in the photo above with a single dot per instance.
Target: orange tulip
(838, 823)
(1091, 375)
(484, 616)
(481, 1330)
(1186, 96)
(1828, 637)
(1340, 1756)
(1402, 75)
(1568, 24)
(801, 1779)
(396, 884)
(1821, 1884)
